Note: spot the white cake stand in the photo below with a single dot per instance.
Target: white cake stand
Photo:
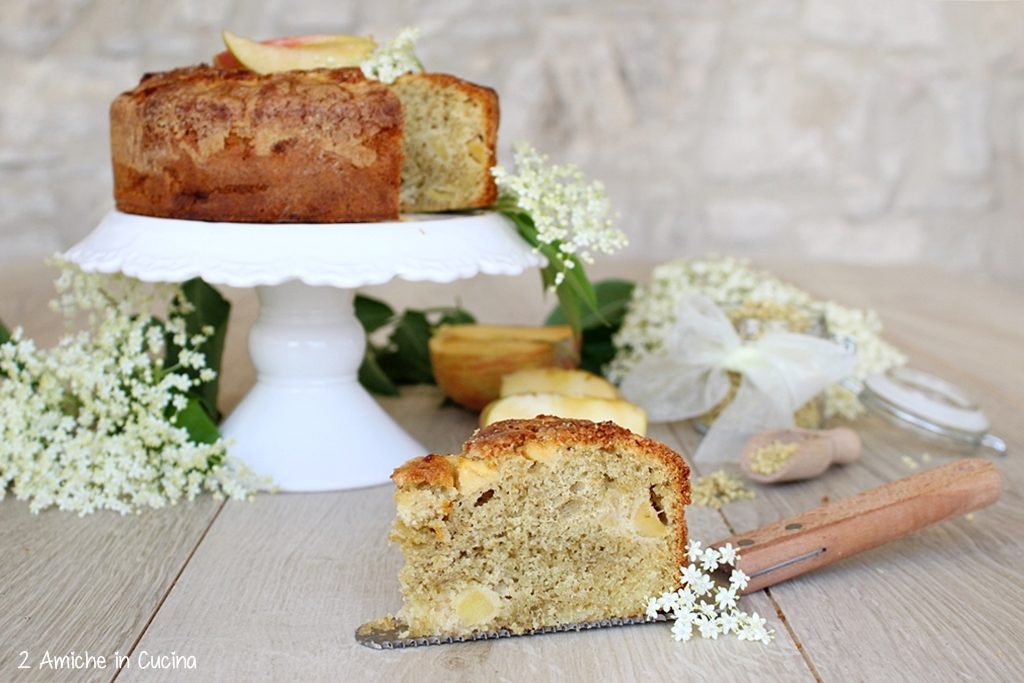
(307, 423)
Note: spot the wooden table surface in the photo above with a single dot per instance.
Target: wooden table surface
(273, 589)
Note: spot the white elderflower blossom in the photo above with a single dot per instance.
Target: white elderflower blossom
(687, 616)
(725, 598)
(738, 580)
(729, 622)
(396, 58)
(691, 574)
(668, 602)
(694, 550)
(709, 559)
(708, 628)
(92, 423)
(707, 609)
(567, 210)
(682, 630)
(717, 615)
(703, 585)
(728, 282)
(752, 628)
(727, 554)
(687, 598)
(653, 607)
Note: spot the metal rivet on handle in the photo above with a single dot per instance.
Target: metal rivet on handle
(794, 526)
(745, 541)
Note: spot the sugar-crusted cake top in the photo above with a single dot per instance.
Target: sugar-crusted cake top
(537, 439)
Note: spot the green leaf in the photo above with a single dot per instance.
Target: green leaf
(407, 360)
(597, 349)
(577, 280)
(5, 334)
(455, 316)
(572, 311)
(210, 308)
(599, 325)
(372, 313)
(373, 377)
(575, 292)
(197, 422)
(612, 300)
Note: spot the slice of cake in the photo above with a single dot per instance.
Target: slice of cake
(537, 523)
(450, 143)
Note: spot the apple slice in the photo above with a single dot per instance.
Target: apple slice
(226, 60)
(296, 54)
(526, 406)
(470, 360)
(557, 381)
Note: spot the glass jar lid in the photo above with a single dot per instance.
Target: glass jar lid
(923, 402)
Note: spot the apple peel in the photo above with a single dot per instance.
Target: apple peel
(469, 360)
(294, 53)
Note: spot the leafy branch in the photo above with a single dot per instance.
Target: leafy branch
(404, 356)
(209, 310)
(576, 295)
(600, 324)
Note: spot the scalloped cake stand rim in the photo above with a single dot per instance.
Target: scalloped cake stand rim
(306, 343)
(430, 247)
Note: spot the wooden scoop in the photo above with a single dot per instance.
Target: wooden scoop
(816, 451)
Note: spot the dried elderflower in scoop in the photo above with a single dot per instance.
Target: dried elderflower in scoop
(772, 458)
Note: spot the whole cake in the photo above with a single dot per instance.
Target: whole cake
(318, 146)
(538, 523)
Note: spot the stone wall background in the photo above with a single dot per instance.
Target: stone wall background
(866, 131)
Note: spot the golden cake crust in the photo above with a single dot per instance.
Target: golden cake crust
(429, 470)
(508, 437)
(204, 143)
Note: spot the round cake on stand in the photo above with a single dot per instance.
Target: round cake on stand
(308, 423)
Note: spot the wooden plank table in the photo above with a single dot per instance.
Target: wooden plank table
(274, 589)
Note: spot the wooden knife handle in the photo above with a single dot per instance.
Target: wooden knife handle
(827, 534)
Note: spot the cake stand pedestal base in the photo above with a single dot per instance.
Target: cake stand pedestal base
(308, 423)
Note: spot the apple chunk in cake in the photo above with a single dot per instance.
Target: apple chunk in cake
(537, 523)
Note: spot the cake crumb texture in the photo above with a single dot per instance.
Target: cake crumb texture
(449, 144)
(537, 523)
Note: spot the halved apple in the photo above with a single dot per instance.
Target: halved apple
(470, 360)
(557, 381)
(295, 54)
(527, 406)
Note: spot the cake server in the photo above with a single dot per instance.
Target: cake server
(798, 544)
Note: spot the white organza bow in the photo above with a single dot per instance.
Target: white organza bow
(688, 375)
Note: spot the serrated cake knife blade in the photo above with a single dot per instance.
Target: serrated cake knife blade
(795, 545)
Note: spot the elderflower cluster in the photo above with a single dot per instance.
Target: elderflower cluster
(729, 282)
(91, 423)
(707, 607)
(567, 210)
(398, 57)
